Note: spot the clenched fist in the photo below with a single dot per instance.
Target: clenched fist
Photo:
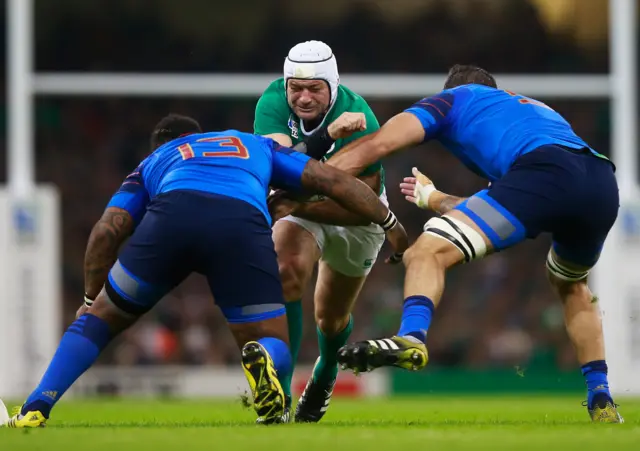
(346, 125)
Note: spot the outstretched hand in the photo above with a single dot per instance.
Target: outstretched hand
(417, 189)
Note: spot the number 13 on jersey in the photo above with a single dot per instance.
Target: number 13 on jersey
(224, 146)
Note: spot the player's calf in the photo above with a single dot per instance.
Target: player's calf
(335, 295)
(584, 327)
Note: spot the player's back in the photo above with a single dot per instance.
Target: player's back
(489, 128)
(229, 163)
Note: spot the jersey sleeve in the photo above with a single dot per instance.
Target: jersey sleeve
(271, 115)
(433, 113)
(288, 166)
(372, 126)
(132, 196)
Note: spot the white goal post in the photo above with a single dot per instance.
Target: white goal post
(614, 278)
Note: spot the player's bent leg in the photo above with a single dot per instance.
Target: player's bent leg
(474, 229)
(584, 327)
(118, 306)
(297, 243)
(261, 333)
(334, 298)
(446, 241)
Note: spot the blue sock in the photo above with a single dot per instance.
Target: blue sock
(416, 317)
(280, 354)
(79, 348)
(595, 374)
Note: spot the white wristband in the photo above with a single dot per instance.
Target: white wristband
(87, 301)
(422, 193)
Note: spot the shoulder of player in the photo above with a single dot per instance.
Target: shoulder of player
(275, 89)
(449, 101)
(350, 99)
(273, 101)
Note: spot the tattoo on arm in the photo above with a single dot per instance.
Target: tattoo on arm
(351, 193)
(330, 212)
(352, 159)
(445, 203)
(105, 240)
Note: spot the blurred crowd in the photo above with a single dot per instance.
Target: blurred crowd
(497, 312)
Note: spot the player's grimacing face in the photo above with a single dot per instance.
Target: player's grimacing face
(308, 98)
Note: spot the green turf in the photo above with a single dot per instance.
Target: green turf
(507, 423)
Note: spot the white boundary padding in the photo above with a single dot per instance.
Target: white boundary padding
(252, 85)
(616, 279)
(31, 278)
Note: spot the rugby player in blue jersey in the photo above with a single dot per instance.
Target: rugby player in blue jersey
(543, 178)
(198, 204)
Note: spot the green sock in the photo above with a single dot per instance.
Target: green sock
(327, 367)
(294, 320)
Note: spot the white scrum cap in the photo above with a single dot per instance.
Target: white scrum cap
(313, 60)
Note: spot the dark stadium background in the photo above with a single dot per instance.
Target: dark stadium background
(497, 314)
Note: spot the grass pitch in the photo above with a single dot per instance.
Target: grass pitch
(426, 423)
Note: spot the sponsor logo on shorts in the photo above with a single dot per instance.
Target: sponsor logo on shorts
(368, 262)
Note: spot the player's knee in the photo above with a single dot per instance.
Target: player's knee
(452, 241)
(105, 309)
(429, 250)
(293, 275)
(566, 279)
(329, 323)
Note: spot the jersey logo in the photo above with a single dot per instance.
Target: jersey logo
(293, 126)
(367, 263)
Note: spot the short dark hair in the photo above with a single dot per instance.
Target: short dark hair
(171, 127)
(461, 74)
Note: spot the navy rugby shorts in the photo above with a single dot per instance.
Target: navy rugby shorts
(569, 193)
(225, 239)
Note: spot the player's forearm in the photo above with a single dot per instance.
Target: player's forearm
(329, 212)
(349, 192)
(443, 203)
(102, 249)
(356, 156)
